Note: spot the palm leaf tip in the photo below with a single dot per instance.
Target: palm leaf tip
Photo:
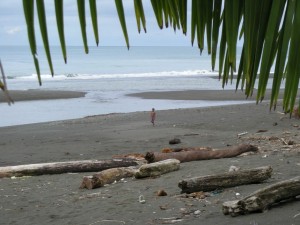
(121, 14)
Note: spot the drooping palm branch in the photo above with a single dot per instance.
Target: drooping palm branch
(269, 29)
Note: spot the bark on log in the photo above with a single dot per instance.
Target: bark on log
(188, 156)
(64, 167)
(225, 180)
(107, 177)
(158, 168)
(264, 198)
(168, 150)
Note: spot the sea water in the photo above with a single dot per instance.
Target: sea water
(106, 74)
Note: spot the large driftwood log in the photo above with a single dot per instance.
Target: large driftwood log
(158, 168)
(264, 198)
(225, 180)
(187, 156)
(107, 177)
(64, 167)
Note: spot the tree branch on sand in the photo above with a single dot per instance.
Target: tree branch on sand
(187, 156)
(264, 198)
(115, 174)
(64, 167)
(225, 180)
(107, 177)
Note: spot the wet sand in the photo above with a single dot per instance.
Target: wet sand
(57, 199)
(31, 95)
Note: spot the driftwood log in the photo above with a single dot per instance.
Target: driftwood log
(107, 177)
(187, 156)
(225, 180)
(264, 198)
(158, 168)
(64, 167)
(168, 150)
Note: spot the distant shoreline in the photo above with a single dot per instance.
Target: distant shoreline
(205, 95)
(32, 95)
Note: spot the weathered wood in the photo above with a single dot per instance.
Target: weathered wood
(107, 177)
(64, 167)
(135, 156)
(168, 150)
(264, 198)
(158, 168)
(187, 156)
(225, 180)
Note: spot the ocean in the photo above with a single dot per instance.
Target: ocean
(107, 74)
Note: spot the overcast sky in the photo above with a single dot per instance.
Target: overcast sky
(13, 28)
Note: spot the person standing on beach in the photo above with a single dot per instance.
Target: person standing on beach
(153, 116)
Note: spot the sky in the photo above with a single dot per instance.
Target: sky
(13, 27)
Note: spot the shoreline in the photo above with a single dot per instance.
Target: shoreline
(37, 94)
(206, 95)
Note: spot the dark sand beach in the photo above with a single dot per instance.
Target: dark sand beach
(57, 199)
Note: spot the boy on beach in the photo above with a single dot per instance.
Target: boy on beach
(152, 116)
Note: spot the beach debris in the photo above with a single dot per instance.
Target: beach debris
(283, 141)
(163, 207)
(108, 176)
(142, 199)
(170, 220)
(242, 134)
(234, 168)
(273, 138)
(95, 195)
(161, 192)
(135, 156)
(191, 134)
(296, 215)
(225, 180)
(187, 156)
(197, 195)
(174, 141)
(158, 168)
(197, 212)
(261, 131)
(264, 198)
(64, 167)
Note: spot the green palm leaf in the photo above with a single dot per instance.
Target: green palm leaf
(93, 10)
(43, 27)
(81, 14)
(60, 26)
(120, 9)
(28, 7)
(140, 15)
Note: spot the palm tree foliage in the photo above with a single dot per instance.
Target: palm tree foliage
(269, 30)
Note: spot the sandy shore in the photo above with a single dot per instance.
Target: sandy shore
(30, 95)
(57, 199)
(218, 95)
